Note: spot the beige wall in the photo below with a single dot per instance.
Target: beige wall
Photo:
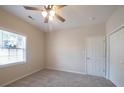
(116, 20)
(66, 49)
(35, 48)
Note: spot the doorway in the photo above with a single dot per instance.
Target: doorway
(95, 55)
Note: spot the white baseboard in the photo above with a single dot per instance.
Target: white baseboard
(20, 78)
(65, 70)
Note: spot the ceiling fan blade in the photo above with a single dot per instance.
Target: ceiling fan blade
(52, 6)
(46, 19)
(49, 6)
(60, 6)
(59, 17)
(32, 8)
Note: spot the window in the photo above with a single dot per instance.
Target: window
(12, 48)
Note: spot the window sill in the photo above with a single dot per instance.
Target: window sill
(11, 64)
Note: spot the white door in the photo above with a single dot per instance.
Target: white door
(117, 57)
(95, 56)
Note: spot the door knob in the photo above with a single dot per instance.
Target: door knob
(88, 58)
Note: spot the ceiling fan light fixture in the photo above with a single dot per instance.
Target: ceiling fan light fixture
(51, 18)
(48, 12)
(52, 12)
(44, 13)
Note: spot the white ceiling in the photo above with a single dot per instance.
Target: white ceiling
(75, 15)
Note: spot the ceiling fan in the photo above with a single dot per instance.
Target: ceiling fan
(48, 12)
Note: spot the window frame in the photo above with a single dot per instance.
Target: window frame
(18, 62)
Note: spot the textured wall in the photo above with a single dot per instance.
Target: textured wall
(65, 50)
(35, 47)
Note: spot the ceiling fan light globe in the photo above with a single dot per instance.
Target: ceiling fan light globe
(52, 12)
(51, 18)
(44, 13)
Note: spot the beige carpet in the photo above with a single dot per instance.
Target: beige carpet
(53, 78)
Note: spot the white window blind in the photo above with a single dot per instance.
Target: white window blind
(12, 48)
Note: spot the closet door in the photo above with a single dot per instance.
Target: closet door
(117, 57)
(95, 56)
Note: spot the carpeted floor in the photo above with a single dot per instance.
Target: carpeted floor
(53, 78)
